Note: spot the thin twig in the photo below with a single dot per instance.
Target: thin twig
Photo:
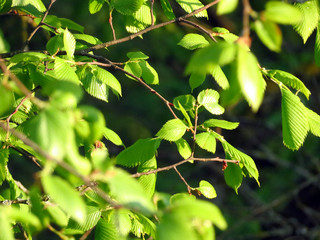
(200, 28)
(216, 159)
(195, 130)
(140, 80)
(246, 23)
(182, 178)
(111, 25)
(151, 12)
(39, 25)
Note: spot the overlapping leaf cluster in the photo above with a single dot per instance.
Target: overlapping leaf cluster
(79, 186)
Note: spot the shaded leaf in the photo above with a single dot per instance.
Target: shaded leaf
(127, 7)
(314, 122)
(167, 9)
(172, 130)
(196, 79)
(187, 102)
(149, 74)
(317, 47)
(233, 176)
(295, 125)
(4, 157)
(221, 124)
(219, 77)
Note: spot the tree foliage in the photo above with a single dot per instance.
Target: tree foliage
(80, 187)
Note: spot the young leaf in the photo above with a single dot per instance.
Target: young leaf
(107, 78)
(295, 125)
(6, 231)
(148, 182)
(209, 99)
(87, 38)
(106, 230)
(187, 102)
(196, 80)
(137, 56)
(207, 189)
(207, 141)
(281, 12)
(233, 176)
(250, 78)
(193, 41)
(289, 80)
(149, 74)
(139, 20)
(221, 124)
(309, 20)
(69, 43)
(138, 153)
(192, 5)
(203, 60)
(4, 157)
(226, 6)
(54, 44)
(220, 77)
(58, 188)
(172, 130)
(121, 218)
(95, 5)
(183, 148)
(127, 7)
(63, 71)
(314, 122)
(133, 68)
(269, 34)
(317, 47)
(142, 225)
(167, 9)
(91, 220)
(31, 6)
(113, 137)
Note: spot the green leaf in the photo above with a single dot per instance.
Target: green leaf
(226, 6)
(106, 230)
(121, 218)
(289, 80)
(58, 189)
(133, 68)
(295, 125)
(250, 78)
(205, 59)
(30, 6)
(63, 71)
(67, 23)
(196, 79)
(245, 160)
(87, 38)
(188, 102)
(193, 41)
(95, 5)
(314, 122)
(139, 20)
(281, 12)
(28, 57)
(138, 153)
(207, 189)
(309, 20)
(7, 100)
(51, 130)
(233, 176)
(91, 219)
(4, 157)
(207, 141)
(149, 74)
(113, 137)
(127, 7)
(172, 130)
(317, 47)
(54, 44)
(128, 191)
(107, 78)
(167, 9)
(221, 124)
(6, 231)
(69, 43)
(148, 182)
(192, 5)
(269, 34)
(4, 45)
(5, 6)
(142, 225)
(133, 56)
(220, 77)
(92, 85)
(209, 99)
(184, 148)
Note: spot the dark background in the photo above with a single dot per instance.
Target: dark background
(286, 206)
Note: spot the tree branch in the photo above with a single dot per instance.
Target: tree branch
(216, 159)
(182, 178)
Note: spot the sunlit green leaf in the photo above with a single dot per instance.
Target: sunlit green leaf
(290, 80)
(137, 56)
(172, 130)
(63, 71)
(221, 124)
(226, 6)
(7, 101)
(149, 74)
(4, 157)
(269, 34)
(127, 7)
(95, 5)
(209, 99)
(207, 189)
(69, 43)
(113, 137)
(106, 230)
(183, 148)
(314, 122)
(140, 19)
(192, 5)
(281, 12)
(309, 20)
(295, 125)
(91, 219)
(6, 231)
(34, 7)
(207, 141)
(187, 102)
(317, 47)
(196, 79)
(233, 176)
(148, 182)
(58, 189)
(107, 78)
(87, 38)
(167, 9)
(55, 43)
(219, 77)
(138, 153)
(193, 41)
(250, 78)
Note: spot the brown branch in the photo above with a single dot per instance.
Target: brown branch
(140, 80)
(200, 28)
(195, 130)
(39, 25)
(182, 178)
(111, 25)
(151, 12)
(148, 29)
(216, 159)
(245, 38)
